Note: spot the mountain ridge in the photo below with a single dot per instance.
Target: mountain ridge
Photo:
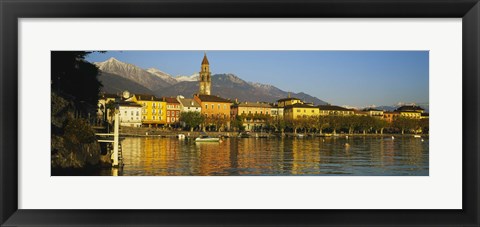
(160, 83)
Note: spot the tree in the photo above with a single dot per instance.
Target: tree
(404, 123)
(379, 124)
(73, 76)
(192, 119)
(335, 123)
(424, 124)
(237, 123)
(321, 123)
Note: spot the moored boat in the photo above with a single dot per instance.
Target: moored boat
(207, 139)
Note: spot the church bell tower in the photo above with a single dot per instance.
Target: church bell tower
(205, 80)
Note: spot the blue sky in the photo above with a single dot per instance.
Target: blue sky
(353, 78)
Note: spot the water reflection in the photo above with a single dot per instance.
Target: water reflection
(366, 156)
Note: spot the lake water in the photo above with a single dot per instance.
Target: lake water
(358, 155)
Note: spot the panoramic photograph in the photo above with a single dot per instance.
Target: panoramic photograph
(239, 113)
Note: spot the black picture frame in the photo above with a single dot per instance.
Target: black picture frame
(12, 10)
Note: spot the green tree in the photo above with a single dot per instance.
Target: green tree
(405, 124)
(237, 123)
(192, 119)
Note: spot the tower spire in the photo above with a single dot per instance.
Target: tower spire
(205, 80)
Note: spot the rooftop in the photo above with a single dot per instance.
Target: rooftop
(254, 104)
(331, 107)
(409, 108)
(170, 100)
(146, 97)
(189, 103)
(287, 99)
(212, 98)
(300, 105)
(132, 104)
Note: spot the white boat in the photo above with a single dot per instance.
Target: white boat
(207, 139)
(181, 136)
(417, 136)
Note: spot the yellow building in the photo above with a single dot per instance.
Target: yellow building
(254, 114)
(154, 110)
(411, 114)
(300, 110)
(410, 111)
(214, 108)
(288, 101)
(329, 110)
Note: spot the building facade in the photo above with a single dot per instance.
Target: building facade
(188, 105)
(173, 110)
(300, 110)
(330, 110)
(130, 114)
(214, 108)
(254, 114)
(154, 110)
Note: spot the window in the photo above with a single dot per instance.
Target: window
(206, 106)
(143, 117)
(313, 111)
(131, 113)
(213, 106)
(298, 111)
(137, 113)
(153, 117)
(125, 112)
(168, 113)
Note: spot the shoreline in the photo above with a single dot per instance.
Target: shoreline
(162, 133)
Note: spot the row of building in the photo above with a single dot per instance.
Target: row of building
(137, 110)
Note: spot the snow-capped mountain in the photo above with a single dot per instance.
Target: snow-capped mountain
(117, 76)
(193, 77)
(165, 76)
(132, 72)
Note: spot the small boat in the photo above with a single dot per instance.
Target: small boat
(300, 135)
(205, 138)
(181, 136)
(417, 136)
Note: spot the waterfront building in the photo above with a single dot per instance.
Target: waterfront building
(410, 111)
(288, 101)
(300, 110)
(331, 110)
(130, 114)
(214, 107)
(205, 84)
(372, 112)
(188, 105)
(276, 112)
(173, 110)
(154, 109)
(360, 113)
(390, 116)
(254, 114)
(410, 108)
